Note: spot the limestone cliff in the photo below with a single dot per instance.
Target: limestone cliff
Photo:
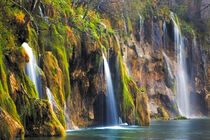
(68, 44)
(68, 38)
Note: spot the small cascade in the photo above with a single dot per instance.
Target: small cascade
(182, 91)
(121, 122)
(31, 68)
(112, 117)
(193, 57)
(40, 11)
(165, 34)
(51, 98)
(42, 14)
(39, 60)
(134, 116)
(67, 118)
(140, 26)
(169, 66)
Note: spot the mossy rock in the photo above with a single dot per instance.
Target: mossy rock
(6, 102)
(163, 115)
(9, 127)
(56, 44)
(53, 75)
(180, 118)
(142, 110)
(38, 117)
(133, 109)
(55, 83)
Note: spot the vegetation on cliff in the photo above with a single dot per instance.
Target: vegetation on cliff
(68, 38)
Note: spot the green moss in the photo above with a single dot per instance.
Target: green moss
(128, 103)
(143, 90)
(57, 46)
(54, 77)
(163, 114)
(9, 128)
(142, 116)
(5, 100)
(186, 27)
(8, 105)
(33, 40)
(180, 118)
(27, 84)
(129, 26)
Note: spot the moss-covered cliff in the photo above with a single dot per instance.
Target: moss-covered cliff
(67, 38)
(67, 41)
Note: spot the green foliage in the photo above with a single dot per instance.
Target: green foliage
(186, 27)
(127, 100)
(180, 9)
(57, 46)
(165, 114)
(143, 90)
(180, 118)
(5, 100)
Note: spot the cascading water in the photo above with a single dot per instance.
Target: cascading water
(182, 91)
(168, 63)
(140, 26)
(42, 14)
(165, 34)
(112, 117)
(67, 119)
(51, 98)
(31, 67)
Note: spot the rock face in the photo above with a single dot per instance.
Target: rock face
(36, 115)
(148, 67)
(207, 84)
(68, 46)
(142, 110)
(68, 49)
(86, 82)
(151, 62)
(205, 9)
(9, 128)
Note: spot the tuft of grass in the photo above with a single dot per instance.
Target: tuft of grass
(180, 118)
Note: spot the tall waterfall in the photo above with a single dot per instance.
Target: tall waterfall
(112, 117)
(182, 91)
(31, 67)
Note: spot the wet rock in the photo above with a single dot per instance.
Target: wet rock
(142, 110)
(9, 127)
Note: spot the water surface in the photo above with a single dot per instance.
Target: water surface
(194, 129)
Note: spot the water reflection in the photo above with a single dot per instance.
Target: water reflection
(182, 129)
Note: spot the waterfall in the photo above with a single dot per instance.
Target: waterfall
(140, 26)
(168, 63)
(31, 67)
(42, 15)
(165, 34)
(51, 98)
(40, 11)
(182, 91)
(112, 117)
(67, 118)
